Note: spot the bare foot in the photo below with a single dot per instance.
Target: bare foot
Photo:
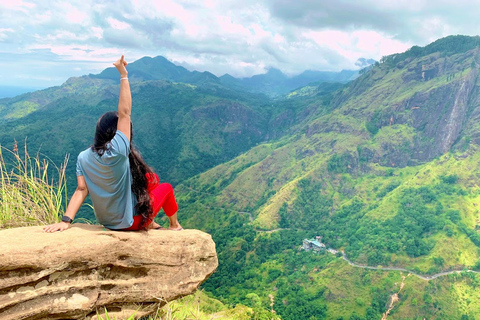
(155, 225)
(176, 227)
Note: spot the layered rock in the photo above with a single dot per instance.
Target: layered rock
(72, 274)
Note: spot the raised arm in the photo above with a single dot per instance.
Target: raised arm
(125, 99)
(75, 202)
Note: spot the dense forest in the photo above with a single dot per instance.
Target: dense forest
(373, 175)
(384, 169)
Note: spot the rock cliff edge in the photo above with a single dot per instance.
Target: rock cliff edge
(74, 273)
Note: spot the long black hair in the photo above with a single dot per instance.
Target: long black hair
(104, 133)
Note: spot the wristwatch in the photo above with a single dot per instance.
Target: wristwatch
(67, 219)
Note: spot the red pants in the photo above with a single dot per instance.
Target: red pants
(161, 196)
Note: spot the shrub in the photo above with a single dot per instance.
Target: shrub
(449, 179)
(338, 163)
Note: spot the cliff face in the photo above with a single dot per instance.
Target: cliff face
(430, 101)
(440, 113)
(69, 275)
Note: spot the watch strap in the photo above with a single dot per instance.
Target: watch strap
(67, 219)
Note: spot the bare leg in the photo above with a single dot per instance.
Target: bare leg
(174, 225)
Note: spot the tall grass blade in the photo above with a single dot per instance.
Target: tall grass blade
(28, 196)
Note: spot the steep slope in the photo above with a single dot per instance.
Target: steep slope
(390, 116)
(435, 94)
(388, 173)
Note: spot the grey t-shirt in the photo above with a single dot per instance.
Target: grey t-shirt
(109, 182)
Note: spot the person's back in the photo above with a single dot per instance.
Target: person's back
(125, 192)
(109, 181)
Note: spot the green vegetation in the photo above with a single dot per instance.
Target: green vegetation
(108, 317)
(203, 307)
(413, 233)
(199, 306)
(31, 191)
(30, 196)
(368, 176)
(446, 46)
(384, 169)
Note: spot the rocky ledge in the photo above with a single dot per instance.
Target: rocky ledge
(77, 272)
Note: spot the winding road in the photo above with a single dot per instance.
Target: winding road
(344, 257)
(421, 276)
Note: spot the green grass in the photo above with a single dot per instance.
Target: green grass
(197, 306)
(29, 194)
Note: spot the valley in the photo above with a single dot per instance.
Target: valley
(409, 272)
(385, 168)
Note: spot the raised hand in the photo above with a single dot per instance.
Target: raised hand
(121, 64)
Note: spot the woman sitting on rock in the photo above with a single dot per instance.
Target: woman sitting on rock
(125, 192)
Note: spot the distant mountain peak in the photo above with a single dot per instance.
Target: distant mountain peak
(227, 76)
(275, 71)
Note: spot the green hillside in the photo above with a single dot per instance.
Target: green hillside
(384, 170)
(181, 129)
(388, 174)
(177, 126)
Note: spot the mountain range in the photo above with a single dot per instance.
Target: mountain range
(383, 168)
(274, 83)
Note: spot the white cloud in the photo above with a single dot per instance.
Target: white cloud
(119, 25)
(97, 32)
(19, 5)
(225, 36)
(5, 33)
(76, 16)
(42, 18)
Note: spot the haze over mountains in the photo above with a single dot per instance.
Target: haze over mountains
(272, 83)
(12, 91)
(384, 168)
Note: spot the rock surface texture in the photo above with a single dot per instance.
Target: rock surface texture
(74, 273)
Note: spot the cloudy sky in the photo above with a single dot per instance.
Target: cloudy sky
(43, 43)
